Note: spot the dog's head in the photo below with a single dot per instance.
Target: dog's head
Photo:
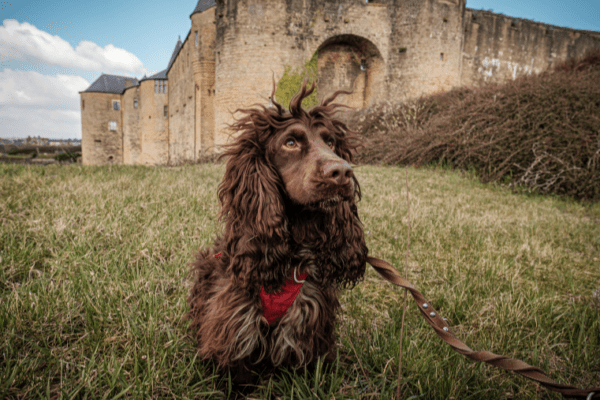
(284, 162)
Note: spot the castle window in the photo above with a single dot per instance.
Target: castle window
(116, 105)
(166, 111)
(363, 64)
(196, 38)
(112, 125)
(155, 86)
(441, 56)
(135, 103)
(165, 87)
(82, 104)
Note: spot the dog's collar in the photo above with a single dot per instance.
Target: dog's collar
(275, 305)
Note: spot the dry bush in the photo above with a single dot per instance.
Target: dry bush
(540, 132)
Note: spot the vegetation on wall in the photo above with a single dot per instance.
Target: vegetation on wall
(540, 132)
(291, 81)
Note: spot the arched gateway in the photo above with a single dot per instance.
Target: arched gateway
(352, 63)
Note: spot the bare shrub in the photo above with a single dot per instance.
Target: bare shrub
(540, 132)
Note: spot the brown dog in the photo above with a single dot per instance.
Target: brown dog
(266, 292)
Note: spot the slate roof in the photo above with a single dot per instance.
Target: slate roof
(159, 75)
(112, 84)
(204, 5)
(178, 47)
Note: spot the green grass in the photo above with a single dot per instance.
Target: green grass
(93, 282)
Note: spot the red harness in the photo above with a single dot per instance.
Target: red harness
(275, 305)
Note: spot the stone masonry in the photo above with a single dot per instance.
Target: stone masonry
(383, 50)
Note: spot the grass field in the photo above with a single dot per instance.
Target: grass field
(93, 282)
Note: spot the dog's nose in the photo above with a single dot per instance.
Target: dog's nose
(339, 172)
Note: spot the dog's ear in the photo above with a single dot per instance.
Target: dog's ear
(353, 256)
(254, 215)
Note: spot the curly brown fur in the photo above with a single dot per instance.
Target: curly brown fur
(288, 201)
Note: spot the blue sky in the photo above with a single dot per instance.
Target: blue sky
(51, 50)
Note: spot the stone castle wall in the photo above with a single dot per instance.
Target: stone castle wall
(182, 107)
(154, 125)
(132, 140)
(385, 50)
(257, 39)
(498, 48)
(203, 66)
(424, 57)
(99, 144)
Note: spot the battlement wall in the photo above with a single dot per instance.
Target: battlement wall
(498, 48)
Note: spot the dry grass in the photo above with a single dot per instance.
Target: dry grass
(93, 281)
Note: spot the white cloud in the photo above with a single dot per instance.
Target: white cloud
(30, 88)
(32, 104)
(23, 41)
(34, 121)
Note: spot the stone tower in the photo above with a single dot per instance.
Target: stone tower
(192, 89)
(386, 49)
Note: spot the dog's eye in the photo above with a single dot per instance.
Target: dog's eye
(290, 142)
(331, 142)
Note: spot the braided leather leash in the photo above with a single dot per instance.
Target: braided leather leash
(443, 330)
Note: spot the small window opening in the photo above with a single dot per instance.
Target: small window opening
(116, 105)
(196, 38)
(166, 111)
(363, 64)
(98, 141)
(82, 104)
(165, 87)
(137, 89)
(441, 56)
(112, 125)
(135, 103)
(209, 92)
(110, 158)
